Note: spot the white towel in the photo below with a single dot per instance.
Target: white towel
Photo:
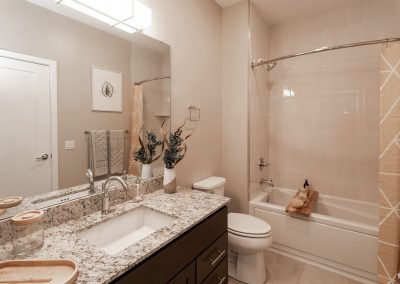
(98, 152)
(116, 148)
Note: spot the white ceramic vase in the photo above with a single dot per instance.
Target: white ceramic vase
(147, 171)
(169, 182)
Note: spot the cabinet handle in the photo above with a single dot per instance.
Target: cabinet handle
(221, 279)
(213, 261)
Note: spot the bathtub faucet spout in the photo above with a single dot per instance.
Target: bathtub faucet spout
(266, 181)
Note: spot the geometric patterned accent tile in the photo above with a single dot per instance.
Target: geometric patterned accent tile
(390, 186)
(389, 191)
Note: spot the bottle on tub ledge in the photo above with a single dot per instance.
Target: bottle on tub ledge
(303, 194)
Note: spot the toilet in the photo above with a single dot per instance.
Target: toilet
(248, 238)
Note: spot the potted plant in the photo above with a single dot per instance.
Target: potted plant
(146, 153)
(174, 153)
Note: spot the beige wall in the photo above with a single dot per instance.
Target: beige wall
(258, 102)
(328, 131)
(235, 62)
(32, 30)
(193, 30)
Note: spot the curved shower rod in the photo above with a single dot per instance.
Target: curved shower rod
(152, 79)
(271, 63)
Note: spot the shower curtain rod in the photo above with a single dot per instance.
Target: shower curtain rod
(152, 79)
(272, 62)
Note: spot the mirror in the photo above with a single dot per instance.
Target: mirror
(61, 77)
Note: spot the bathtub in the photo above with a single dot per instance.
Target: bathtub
(340, 235)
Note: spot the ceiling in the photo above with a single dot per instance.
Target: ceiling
(279, 11)
(227, 3)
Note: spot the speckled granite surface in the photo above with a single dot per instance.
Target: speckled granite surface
(95, 266)
(73, 209)
(30, 203)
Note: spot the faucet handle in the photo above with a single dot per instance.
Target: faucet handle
(89, 174)
(262, 163)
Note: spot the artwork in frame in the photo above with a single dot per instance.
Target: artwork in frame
(106, 90)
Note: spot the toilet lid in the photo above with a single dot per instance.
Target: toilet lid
(247, 225)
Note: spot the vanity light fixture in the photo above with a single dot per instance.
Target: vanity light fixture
(127, 15)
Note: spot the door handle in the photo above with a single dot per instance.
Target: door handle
(43, 157)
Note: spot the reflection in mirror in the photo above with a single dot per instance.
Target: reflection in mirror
(61, 78)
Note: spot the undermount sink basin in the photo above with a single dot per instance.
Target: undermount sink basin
(120, 232)
(47, 202)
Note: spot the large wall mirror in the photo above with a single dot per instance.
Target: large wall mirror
(61, 80)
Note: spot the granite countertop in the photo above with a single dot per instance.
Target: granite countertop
(96, 266)
(32, 202)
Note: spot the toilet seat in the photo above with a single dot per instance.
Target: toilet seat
(248, 226)
(241, 234)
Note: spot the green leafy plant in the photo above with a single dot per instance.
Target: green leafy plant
(148, 150)
(176, 148)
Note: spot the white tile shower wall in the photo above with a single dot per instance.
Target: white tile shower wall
(324, 108)
(258, 102)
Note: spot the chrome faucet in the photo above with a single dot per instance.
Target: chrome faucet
(89, 176)
(106, 195)
(266, 181)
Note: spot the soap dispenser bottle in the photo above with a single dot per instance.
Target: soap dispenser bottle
(306, 184)
(303, 193)
(139, 196)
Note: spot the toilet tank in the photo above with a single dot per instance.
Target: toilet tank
(213, 185)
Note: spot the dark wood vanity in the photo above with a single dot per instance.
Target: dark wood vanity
(198, 256)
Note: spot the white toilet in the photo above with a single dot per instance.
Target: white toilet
(248, 238)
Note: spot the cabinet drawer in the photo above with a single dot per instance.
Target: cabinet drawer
(220, 274)
(186, 276)
(211, 257)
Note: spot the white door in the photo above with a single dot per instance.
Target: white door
(25, 128)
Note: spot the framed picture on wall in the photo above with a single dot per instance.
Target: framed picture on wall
(106, 90)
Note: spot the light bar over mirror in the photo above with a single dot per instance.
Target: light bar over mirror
(127, 15)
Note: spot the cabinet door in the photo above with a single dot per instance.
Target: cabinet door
(186, 276)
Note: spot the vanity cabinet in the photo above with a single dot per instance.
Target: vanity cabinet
(187, 275)
(197, 256)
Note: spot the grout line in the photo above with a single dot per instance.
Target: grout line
(388, 147)
(389, 244)
(390, 110)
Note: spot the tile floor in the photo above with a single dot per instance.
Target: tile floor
(285, 270)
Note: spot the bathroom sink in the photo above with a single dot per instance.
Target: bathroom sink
(116, 234)
(47, 202)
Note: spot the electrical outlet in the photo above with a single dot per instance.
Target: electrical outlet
(70, 145)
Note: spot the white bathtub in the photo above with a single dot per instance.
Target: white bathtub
(340, 235)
